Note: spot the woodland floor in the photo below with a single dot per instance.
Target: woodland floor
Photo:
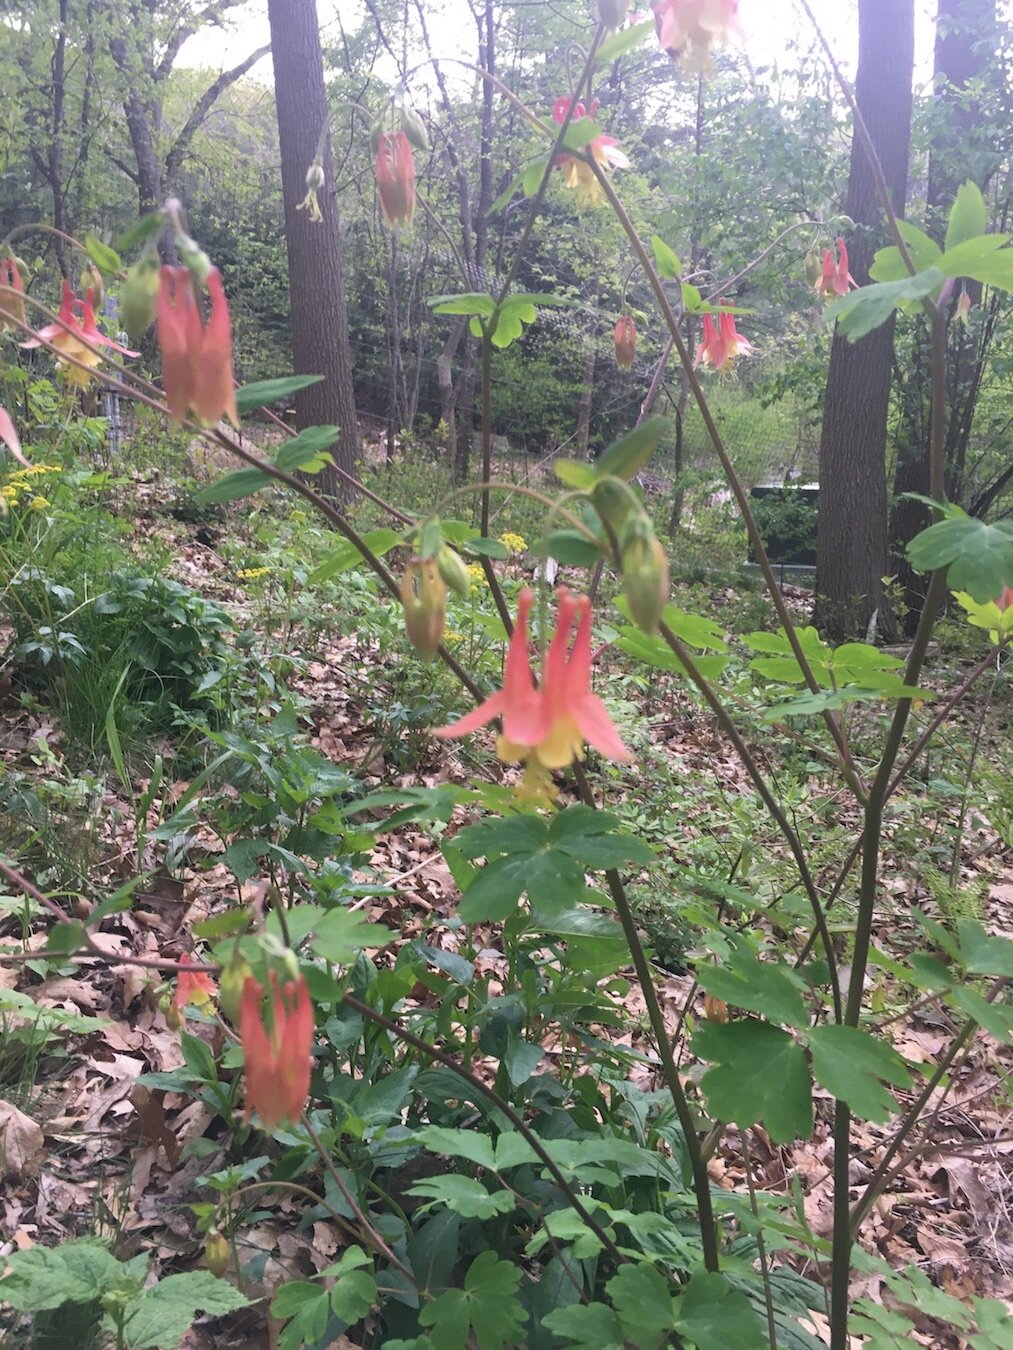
(92, 1150)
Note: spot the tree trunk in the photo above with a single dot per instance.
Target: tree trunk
(965, 38)
(315, 262)
(852, 533)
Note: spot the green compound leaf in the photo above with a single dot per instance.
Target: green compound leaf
(666, 259)
(620, 43)
(467, 1144)
(354, 1291)
(769, 988)
(309, 1307)
(627, 456)
(979, 555)
(645, 1307)
(574, 473)
(79, 1271)
(465, 1196)
(548, 861)
(163, 1314)
(983, 259)
(968, 215)
(759, 1073)
(346, 555)
(261, 392)
(711, 1315)
(853, 1066)
(472, 302)
(860, 312)
(586, 1327)
(983, 954)
(140, 231)
(888, 265)
(306, 451)
(106, 259)
(486, 1306)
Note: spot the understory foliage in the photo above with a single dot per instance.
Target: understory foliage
(509, 1130)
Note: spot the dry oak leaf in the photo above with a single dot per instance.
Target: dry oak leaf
(20, 1141)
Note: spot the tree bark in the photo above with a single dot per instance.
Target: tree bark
(852, 532)
(319, 315)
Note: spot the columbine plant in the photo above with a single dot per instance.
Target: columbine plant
(603, 1216)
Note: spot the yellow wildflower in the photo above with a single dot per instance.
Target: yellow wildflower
(251, 573)
(513, 543)
(38, 503)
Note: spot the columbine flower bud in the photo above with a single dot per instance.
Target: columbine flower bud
(644, 569)
(231, 984)
(138, 295)
(453, 571)
(626, 342)
(191, 255)
(963, 306)
(612, 13)
(91, 280)
(314, 182)
(415, 129)
(216, 1254)
(615, 502)
(12, 300)
(395, 178)
(424, 596)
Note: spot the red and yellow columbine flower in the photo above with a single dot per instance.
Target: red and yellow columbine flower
(546, 727)
(625, 338)
(395, 178)
(721, 342)
(12, 299)
(835, 279)
(604, 150)
(277, 1061)
(193, 986)
(690, 27)
(77, 338)
(196, 356)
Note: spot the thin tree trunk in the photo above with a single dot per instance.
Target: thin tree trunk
(852, 531)
(319, 315)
